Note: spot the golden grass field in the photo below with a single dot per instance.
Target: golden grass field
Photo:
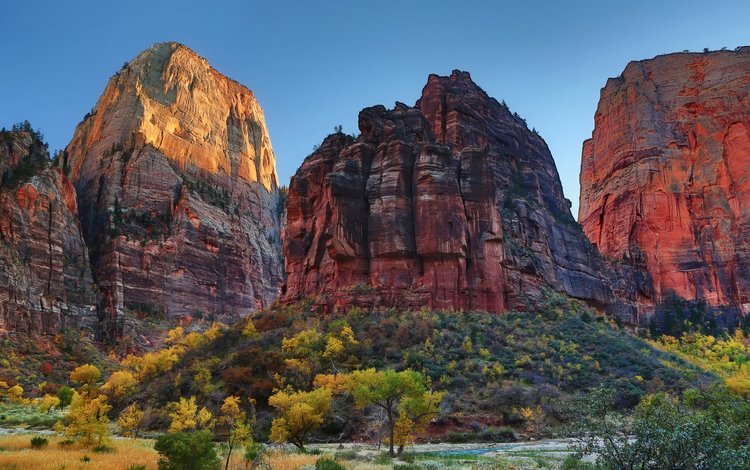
(16, 453)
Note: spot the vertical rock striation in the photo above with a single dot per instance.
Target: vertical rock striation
(45, 280)
(451, 203)
(665, 178)
(177, 190)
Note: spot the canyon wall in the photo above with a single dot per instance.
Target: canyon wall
(177, 191)
(450, 203)
(45, 279)
(665, 177)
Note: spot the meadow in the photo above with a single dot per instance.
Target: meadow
(16, 452)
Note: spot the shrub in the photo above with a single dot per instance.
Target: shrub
(327, 463)
(66, 443)
(187, 451)
(102, 449)
(383, 459)
(309, 451)
(704, 429)
(253, 451)
(85, 459)
(136, 466)
(38, 442)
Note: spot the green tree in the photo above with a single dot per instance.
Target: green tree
(187, 451)
(65, 394)
(704, 430)
(403, 396)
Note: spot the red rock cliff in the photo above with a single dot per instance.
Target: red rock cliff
(665, 178)
(452, 203)
(177, 190)
(45, 280)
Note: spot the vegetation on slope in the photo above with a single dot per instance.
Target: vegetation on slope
(512, 369)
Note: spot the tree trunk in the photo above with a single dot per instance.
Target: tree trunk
(391, 431)
(229, 455)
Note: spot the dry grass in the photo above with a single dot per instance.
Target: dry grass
(16, 453)
(291, 461)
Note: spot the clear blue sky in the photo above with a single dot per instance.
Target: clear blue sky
(315, 64)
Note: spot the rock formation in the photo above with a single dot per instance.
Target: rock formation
(451, 203)
(665, 178)
(45, 280)
(177, 190)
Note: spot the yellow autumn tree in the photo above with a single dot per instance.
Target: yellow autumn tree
(86, 376)
(47, 402)
(87, 419)
(249, 329)
(175, 335)
(130, 420)
(310, 352)
(300, 413)
(14, 394)
(239, 426)
(119, 384)
(185, 416)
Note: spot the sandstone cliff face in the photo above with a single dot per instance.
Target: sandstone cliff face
(177, 190)
(452, 203)
(45, 280)
(665, 178)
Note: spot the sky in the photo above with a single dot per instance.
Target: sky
(315, 64)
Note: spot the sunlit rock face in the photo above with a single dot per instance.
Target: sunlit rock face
(665, 178)
(45, 280)
(177, 190)
(452, 203)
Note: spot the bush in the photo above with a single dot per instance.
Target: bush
(136, 466)
(102, 449)
(253, 451)
(187, 451)
(38, 442)
(310, 451)
(383, 459)
(704, 429)
(345, 455)
(66, 443)
(327, 463)
(85, 459)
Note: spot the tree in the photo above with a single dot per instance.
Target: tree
(308, 351)
(86, 376)
(187, 451)
(119, 384)
(300, 414)
(240, 427)
(704, 430)
(403, 396)
(15, 394)
(65, 394)
(130, 420)
(87, 419)
(415, 413)
(174, 336)
(185, 416)
(47, 402)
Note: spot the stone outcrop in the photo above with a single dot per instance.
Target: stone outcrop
(45, 280)
(177, 190)
(451, 203)
(665, 178)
